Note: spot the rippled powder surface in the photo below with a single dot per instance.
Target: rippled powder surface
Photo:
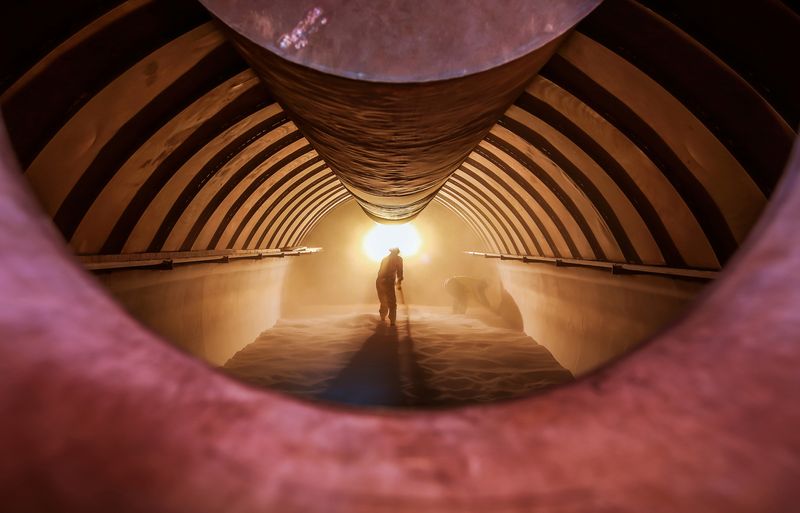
(432, 358)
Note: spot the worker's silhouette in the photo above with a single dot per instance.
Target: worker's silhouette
(391, 269)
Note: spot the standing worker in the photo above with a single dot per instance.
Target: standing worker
(391, 269)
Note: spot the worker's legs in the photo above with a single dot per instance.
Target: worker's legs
(391, 300)
(380, 285)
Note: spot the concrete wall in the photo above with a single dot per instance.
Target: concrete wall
(586, 317)
(209, 310)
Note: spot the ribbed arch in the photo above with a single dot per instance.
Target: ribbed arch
(505, 206)
(760, 144)
(492, 214)
(283, 146)
(599, 192)
(548, 237)
(263, 198)
(668, 217)
(208, 162)
(686, 145)
(302, 199)
(477, 218)
(630, 146)
(281, 202)
(501, 162)
(315, 203)
(132, 188)
(334, 202)
(258, 190)
(441, 199)
(594, 154)
(690, 188)
(622, 160)
(83, 31)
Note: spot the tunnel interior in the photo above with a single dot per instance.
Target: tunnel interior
(184, 197)
(619, 171)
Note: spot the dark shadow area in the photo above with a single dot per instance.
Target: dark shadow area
(432, 359)
(414, 377)
(383, 372)
(509, 311)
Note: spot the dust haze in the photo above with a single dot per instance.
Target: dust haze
(343, 275)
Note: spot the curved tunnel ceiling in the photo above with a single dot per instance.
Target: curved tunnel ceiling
(655, 135)
(394, 95)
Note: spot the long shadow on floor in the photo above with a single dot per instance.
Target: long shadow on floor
(383, 372)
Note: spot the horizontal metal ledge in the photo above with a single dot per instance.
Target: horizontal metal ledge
(613, 267)
(171, 259)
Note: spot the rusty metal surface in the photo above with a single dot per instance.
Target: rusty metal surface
(395, 94)
(100, 415)
(400, 40)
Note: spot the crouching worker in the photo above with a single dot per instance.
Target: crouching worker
(391, 270)
(462, 288)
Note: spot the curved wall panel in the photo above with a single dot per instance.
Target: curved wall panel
(181, 150)
(628, 147)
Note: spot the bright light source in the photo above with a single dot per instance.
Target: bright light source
(384, 236)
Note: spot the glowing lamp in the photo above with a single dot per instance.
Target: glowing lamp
(384, 236)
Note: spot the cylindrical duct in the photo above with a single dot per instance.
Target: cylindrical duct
(394, 94)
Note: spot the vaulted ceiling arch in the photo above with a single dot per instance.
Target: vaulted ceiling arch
(629, 146)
